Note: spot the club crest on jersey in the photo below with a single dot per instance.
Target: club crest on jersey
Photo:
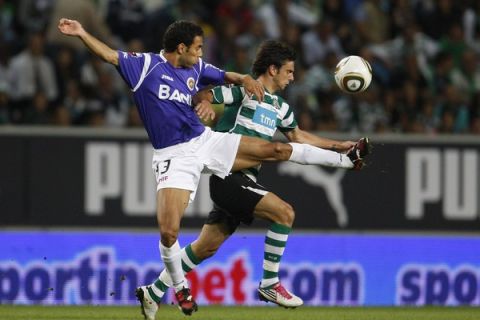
(275, 103)
(191, 83)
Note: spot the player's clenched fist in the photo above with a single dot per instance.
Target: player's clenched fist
(70, 27)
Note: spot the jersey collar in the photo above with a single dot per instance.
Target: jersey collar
(162, 56)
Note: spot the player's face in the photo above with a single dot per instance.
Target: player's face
(284, 75)
(190, 55)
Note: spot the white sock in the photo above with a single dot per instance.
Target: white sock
(173, 263)
(308, 154)
(165, 277)
(164, 281)
(189, 262)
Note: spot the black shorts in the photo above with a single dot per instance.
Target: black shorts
(235, 199)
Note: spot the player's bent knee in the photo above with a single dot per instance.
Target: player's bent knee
(168, 236)
(289, 214)
(285, 215)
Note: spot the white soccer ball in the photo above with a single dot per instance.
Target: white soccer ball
(353, 74)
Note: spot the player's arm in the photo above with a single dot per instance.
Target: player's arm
(300, 136)
(100, 49)
(252, 86)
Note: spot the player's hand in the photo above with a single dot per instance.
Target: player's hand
(205, 111)
(70, 27)
(254, 87)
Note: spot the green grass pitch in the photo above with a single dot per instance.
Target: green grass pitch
(15, 312)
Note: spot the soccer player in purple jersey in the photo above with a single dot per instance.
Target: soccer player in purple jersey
(163, 85)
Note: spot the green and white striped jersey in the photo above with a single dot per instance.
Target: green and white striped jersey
(247, 116)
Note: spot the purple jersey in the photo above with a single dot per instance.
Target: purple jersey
(163, 95)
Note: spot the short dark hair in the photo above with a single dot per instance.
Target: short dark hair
(180, 32)
(272, 52)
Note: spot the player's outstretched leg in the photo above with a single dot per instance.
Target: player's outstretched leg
(148, 302)
(186, 303)
(358, 153)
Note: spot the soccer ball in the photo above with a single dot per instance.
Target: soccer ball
(353, 74)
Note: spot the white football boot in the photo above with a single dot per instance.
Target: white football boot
(148, 305)
(279, 295)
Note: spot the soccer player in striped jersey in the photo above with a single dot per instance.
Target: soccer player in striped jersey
(239, 198)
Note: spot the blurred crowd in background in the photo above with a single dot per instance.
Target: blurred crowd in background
(424, 55)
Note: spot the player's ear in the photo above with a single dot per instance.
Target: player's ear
(272, 69)
(181, 48)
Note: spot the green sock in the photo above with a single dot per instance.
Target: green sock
(275, 243)
(189, 259)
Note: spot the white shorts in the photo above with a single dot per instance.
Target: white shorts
(180, 166)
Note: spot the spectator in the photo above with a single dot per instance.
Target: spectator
(278, 15)
(237, 11)
(293, 37)
(66, 68)
(225, 45)
(401, 16)
(467, 77)
(410, 41)
(392, 108)
(38, 111)
(372, 22)
(317, 42)
(74, 103)
(470, 22)
(61, 117)
(442, 71)
(300, 94)
(371, 114)
(454, 43)
(326, 120)
(29, 73)
(126, 18)
(91, 70)
(163, 16)
(410, 105)
(426, 117)
(241, 61)
(94, 113)
(335, 11)
(252, 38)
(409, 72)
(34, 15)
(452, 112)
(7, 22)
(438, 19)
(114, 103)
